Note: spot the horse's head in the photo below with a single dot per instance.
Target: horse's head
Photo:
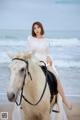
(18, 73)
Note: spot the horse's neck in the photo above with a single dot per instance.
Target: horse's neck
(35, 86)
(36, 72)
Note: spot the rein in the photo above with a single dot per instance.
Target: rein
(22, 96)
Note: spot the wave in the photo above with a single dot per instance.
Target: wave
(67, 63)
(52, 42)
(12, 42)
(58, 63)
(16, 45)
(64, 42)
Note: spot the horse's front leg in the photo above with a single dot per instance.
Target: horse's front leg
(46, 116)
(17, 113)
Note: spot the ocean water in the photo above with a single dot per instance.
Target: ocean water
(65, 50)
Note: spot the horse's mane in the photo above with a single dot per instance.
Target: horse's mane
(27, 56)
(23, 55)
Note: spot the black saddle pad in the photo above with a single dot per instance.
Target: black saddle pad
(51, 79)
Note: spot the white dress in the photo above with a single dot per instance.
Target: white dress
(39, 47)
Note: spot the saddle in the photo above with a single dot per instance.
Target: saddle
(52, 81)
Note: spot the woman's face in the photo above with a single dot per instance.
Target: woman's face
(37, 29)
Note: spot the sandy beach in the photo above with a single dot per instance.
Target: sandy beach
(73, 114)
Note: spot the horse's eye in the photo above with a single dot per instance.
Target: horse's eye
(22, 70)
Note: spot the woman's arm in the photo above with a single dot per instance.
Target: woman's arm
(49, 61)
(49, 56)
(29, 45)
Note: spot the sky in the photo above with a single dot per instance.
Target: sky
(54, 14)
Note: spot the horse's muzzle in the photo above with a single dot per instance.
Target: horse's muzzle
(11, 97)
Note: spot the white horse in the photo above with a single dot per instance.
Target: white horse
(28, 82)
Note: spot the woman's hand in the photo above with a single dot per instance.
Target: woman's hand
(49, 61)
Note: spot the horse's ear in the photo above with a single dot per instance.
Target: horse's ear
(28, 55)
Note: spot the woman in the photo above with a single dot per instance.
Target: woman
(38, 45)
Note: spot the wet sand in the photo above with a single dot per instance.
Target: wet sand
(7, 108)
(73, 114)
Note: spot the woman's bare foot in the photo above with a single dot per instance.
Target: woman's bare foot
(67, 103)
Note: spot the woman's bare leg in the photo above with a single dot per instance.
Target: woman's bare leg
(61, 90)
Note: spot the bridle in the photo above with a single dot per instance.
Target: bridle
(27, 71)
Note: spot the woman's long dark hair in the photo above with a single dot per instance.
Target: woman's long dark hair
(40, 25)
